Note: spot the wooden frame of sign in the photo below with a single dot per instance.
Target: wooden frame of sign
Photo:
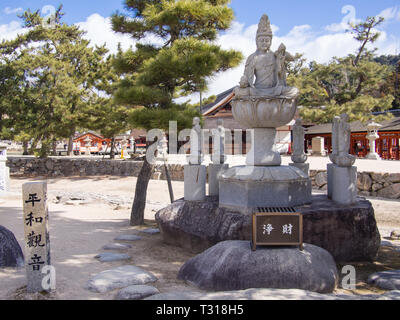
(261, 220)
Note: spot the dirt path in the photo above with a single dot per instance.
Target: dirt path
(79, 230)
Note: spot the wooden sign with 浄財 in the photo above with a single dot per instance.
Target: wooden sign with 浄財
(277, 227)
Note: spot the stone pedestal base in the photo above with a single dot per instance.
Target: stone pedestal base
(373, 156)
(195, 177)
(349, 233)
(343, 184)
(213, 183)
(305, 167)
(246, 188)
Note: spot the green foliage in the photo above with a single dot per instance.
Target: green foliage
(154, 75)
(356, 84)
(49, 78)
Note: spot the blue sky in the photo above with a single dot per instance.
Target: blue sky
(315, 28)
(286, 14)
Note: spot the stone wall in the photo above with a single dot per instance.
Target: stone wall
(383, 185)
(67, 167)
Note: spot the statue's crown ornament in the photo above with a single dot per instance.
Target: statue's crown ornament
(264, 27)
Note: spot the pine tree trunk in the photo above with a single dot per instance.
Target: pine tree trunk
(70, 151)
(54, 148)
(25, 146)
(139, 203)
(112, 150)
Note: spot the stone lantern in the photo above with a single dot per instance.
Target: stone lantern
(88, 144)
(372, 136)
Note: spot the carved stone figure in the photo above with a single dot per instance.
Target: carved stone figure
(298, 155)
(265, 71)
(341, 133)
(218, 155)
(196, 143)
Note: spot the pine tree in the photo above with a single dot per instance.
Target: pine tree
(59, 70)
(178, 65)
(355, 84)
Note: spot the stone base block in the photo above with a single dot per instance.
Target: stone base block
(195, 177)
(373, 156)
(343, 184)
(349, 233)
(305, 167)
(213, 183)
(245, 188)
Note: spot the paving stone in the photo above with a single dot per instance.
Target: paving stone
(118, 278)
(150, 231)
(117, 246)
(136, 292)
(109, 257)
(128, 237)
(387, 280)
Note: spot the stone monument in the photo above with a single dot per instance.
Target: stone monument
(195, 174)
(4, 170)
(264, 102)
(372, 136)
(318, 146)
(342, 175)
(218, 158)
(88, 145)
(37, 240)
(298, 155)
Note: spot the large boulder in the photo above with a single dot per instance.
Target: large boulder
(10, 252)
(232, 265)
(349, 233)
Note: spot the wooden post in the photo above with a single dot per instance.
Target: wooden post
(37, 240)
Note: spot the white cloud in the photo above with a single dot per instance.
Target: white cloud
(9, 10)
(390, 13)
(99, 31)
(11, 30)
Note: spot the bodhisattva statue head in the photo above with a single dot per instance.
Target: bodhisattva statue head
(265, 71)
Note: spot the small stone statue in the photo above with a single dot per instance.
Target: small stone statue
(265, 71)
(196, 143)
(341, 134)
(298, 155)
(218, 155)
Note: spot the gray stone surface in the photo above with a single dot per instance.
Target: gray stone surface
(213, 183)
(269, 294)
(388, 280)
(344, 184)
(195, 177)
(232, 265)
(10, 251)
(118, 278)
(305, 167)
(150, 231)
(246, 187)
(137, 292)
(117, 246)
(128, 237)
(349, 233)
(110, 257)
(37, 238)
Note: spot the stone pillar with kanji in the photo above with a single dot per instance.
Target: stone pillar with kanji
(37, 240)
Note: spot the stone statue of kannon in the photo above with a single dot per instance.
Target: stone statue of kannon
(265, 71)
